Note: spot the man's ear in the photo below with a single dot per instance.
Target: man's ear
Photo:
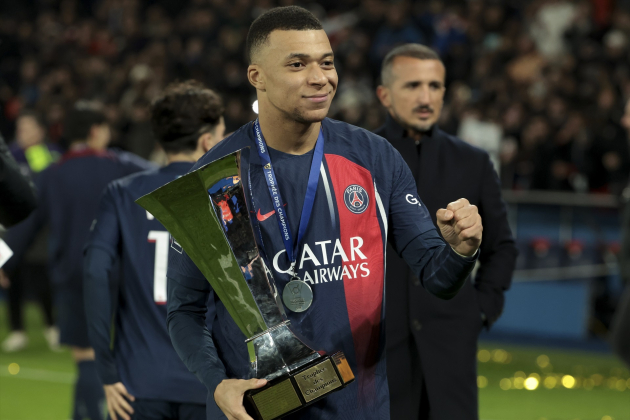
(256, 77)
(92, 136)
(206, 142)
(93, 133)
(383, 95)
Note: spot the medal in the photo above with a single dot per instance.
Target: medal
(297, 295)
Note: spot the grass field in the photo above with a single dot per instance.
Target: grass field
(36, 384)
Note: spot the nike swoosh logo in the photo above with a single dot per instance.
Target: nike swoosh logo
(263, 217)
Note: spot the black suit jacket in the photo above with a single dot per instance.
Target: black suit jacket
(17, 194)
(443, 334)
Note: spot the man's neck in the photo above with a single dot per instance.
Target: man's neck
(415, 135)
(86, 144)
(287, 135)
(182, 157)
(78, 145)
(409, 132)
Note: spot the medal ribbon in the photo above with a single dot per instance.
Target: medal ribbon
(276, 198)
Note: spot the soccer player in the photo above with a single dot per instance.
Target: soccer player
(141, 372)
(68, 197)
(362, 195)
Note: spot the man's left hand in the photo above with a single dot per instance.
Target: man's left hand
(460, 225)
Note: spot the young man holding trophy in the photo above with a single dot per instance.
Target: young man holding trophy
(311, 205)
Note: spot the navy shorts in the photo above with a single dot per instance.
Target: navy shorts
(165, 410)
(71, 319)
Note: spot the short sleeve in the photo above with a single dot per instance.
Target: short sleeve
(183, 270)
(105, 229)
(408, 215)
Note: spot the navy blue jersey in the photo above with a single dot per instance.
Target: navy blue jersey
(144, 358)
(68, 197)
(365, 193)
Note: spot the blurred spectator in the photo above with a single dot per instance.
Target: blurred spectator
(33, 155)
(30, 148)
(558, 68)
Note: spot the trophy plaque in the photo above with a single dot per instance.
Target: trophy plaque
(207, 213)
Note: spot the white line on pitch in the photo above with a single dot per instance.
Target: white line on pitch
(39, 375)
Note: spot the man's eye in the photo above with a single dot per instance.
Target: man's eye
(329, 63)
(296, 65)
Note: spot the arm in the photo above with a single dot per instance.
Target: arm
(101, 252)
(97, 266)
(186, 321)
(438, 266)
(440, 270)
(498, 252)
(17, 193)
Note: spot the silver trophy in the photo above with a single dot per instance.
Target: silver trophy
(207, 213)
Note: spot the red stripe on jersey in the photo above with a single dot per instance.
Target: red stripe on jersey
(364, 291)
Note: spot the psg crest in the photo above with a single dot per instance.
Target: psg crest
(356, 199)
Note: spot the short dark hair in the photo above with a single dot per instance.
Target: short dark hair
(182, 113)
(289, 18)
(80, 120)
(421, 52)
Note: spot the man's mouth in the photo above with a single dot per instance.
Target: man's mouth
(423, 113)
(323, 97)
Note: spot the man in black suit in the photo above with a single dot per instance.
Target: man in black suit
(432, 343)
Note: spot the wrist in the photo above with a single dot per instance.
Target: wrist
(474, 254)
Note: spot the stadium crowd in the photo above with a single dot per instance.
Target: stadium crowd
(541, 85)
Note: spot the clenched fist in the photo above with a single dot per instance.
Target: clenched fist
(460, 225)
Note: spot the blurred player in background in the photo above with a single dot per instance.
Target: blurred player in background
(141, 373)
(432, 343)
(33, 154)
(68, 197)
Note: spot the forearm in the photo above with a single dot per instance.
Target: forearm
(97, 265)
(441, 271)
(190, 336)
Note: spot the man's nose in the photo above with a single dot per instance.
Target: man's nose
(317, 76)
(424, 95)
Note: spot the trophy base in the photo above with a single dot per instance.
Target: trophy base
(290, 393)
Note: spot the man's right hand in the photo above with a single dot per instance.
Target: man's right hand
(117, 404)
(229, 396)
